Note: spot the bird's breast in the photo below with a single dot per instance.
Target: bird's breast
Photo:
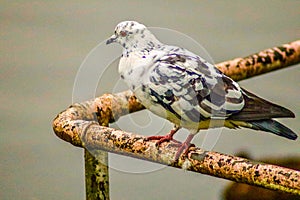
(134, 69)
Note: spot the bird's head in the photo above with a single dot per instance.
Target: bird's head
(131, 34)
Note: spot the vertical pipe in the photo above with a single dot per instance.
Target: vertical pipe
(96, 175)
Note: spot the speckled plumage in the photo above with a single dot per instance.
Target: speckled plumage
(182, 87)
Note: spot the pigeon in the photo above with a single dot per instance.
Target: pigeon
(190, 92)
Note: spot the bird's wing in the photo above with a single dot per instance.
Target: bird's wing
(193, 89)
(257, 108)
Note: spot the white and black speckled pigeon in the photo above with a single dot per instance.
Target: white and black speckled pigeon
(182, 87)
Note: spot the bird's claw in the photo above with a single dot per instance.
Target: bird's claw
(162, 138)
(165, 138)
(183, 150)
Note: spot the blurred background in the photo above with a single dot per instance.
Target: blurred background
(43, 43)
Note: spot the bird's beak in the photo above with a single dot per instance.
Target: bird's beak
(112, 39)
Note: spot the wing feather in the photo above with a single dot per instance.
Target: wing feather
(193, 90)
(257, 108)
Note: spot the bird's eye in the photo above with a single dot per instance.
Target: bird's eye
(123, 33)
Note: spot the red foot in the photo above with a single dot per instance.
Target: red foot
(164, 138)
(184, 147)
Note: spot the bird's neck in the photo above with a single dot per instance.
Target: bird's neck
(145, 42)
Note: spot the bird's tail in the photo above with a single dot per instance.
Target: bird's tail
(274, 127)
